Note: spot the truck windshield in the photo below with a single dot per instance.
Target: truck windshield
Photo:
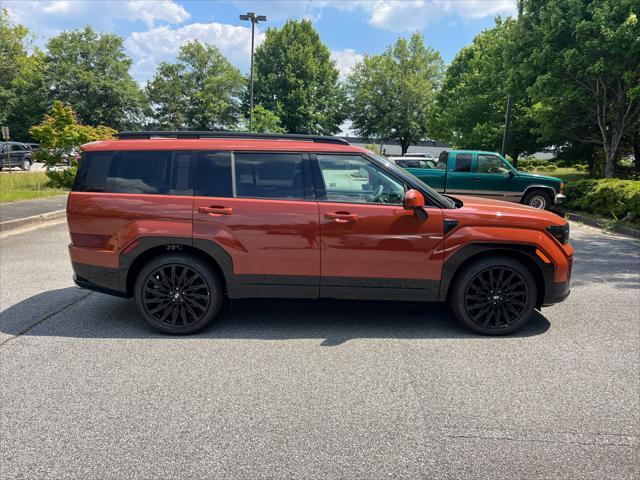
(402, 173)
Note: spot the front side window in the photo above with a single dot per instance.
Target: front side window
(442, 160)
(463, 162)
(270, 175)
(353, 179)
(491, 164)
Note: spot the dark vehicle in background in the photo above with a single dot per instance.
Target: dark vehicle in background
(15, 154)
(488, 174)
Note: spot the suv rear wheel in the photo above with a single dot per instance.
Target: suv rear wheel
(178, 294)
(25, 165)
(494, 296)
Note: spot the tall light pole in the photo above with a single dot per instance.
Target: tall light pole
(507, 116)
(253, 18)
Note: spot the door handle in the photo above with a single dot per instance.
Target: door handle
(341, 217)
(215, 210)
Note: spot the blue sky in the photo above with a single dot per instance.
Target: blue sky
(155, 29)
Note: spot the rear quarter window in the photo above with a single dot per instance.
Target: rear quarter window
(157, 172)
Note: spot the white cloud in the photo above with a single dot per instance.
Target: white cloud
(346, 60)
(50, 17)
(418, 14)
(394, 15)
(163, 43)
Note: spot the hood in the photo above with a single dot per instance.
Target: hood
(542, 178)
(488, 211)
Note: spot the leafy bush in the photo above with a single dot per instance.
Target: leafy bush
(581, 168)
(533, 162)
(60, 136)
(373, 147)
(551, 167)
(610, 197)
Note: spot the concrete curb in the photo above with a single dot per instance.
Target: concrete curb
(596, 222)
(26, 221)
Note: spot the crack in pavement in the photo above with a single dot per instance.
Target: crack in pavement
(43, 319)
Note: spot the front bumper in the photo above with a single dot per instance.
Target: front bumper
(559, 198)
(556, 293)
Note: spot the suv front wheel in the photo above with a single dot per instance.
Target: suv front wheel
(494, 296)
(178, 294)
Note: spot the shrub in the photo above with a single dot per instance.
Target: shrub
(373, 147)
(60, 136)
(550, 168)
(581, 168)
(610, 197)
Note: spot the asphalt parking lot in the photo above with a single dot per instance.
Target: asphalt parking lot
(283, 389)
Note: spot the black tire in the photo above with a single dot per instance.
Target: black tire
(25, 165)
(178, 293)
(491, 303)
(538, 199)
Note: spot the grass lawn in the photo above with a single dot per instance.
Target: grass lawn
(566, 174)
(24, 186)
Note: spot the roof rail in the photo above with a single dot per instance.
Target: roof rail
(256, 136)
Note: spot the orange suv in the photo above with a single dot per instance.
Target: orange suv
(181, 220)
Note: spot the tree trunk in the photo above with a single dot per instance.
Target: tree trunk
(635, 143)
(514, 158)
(404, 145)
(609, 162)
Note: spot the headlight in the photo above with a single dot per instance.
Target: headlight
(560, 232)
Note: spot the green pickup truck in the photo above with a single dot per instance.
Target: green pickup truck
(488, 174)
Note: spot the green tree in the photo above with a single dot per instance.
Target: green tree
(582, 61)
(200, 91)
(264, 121)
(60, 135)
(471, 105)
(393, 93)
(296, 79)
(90, 71)
(21, 84)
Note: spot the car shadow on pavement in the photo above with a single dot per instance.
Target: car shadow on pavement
(71, 312)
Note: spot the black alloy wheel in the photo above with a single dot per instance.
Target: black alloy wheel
(494, 296)
(178, 294)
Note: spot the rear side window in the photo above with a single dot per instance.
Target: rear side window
(140, 172)
(151, 172)
(213, 174)
(270, 175)
(463, 162)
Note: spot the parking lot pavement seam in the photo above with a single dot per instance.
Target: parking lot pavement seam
(47, 317)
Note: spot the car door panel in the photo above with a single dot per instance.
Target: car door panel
(273, 243)
(376, 250)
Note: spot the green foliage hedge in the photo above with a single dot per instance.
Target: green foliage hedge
(610, 197)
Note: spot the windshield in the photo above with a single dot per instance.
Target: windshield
(402, 173)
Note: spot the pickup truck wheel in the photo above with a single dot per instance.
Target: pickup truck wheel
(494, 296)
(178, 294)
(538, 199)
(25, 165)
